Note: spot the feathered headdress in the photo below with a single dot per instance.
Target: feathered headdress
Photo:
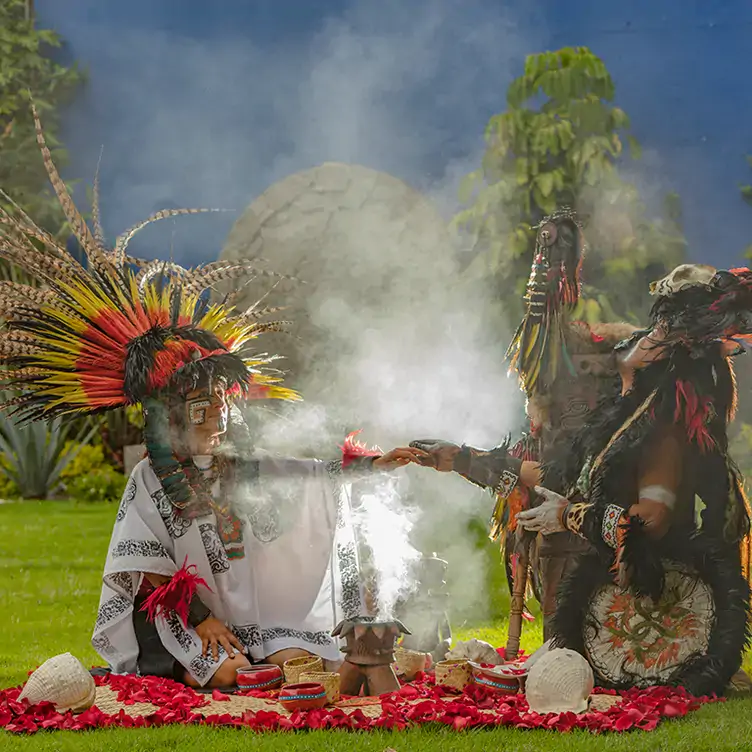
(96, 338)
(539, 344)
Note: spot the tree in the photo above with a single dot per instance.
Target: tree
(746, 191)
(560, 142)
(26, 68)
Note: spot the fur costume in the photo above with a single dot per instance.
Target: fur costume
(684, 385)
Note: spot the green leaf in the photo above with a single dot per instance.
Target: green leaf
(545, 182)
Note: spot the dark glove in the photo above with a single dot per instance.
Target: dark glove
(442, 453)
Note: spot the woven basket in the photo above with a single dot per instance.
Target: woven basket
(454, 674)
(305, 665)
(328, 680)
(409, 662)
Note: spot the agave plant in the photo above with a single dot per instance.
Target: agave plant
(35, 454)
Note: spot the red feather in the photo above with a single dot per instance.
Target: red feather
(353, 449)
(175, 595)
(695, 412)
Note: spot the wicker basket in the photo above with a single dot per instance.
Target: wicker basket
(328, 680)
(454, 674)
(305, 665)
(409, 662)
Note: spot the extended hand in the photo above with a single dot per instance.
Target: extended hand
(401, 456)
(214, 633)
(547, 517)
(438, 454)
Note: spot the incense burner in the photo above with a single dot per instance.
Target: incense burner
(369, 655)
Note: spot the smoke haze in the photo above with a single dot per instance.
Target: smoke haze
(407, 348)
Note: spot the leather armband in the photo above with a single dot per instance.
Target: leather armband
(197, 612)
(495, 469)
(574, 517)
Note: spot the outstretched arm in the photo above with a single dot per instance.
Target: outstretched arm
(495, 468)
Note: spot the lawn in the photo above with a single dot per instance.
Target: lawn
(51, 556)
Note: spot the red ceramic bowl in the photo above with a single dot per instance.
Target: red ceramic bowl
(263, 676)
(502, 684)
(306, 696)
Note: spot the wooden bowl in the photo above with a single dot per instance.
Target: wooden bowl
(263, 677)
(304, 696)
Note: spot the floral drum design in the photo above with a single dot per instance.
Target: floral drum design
(644, 640)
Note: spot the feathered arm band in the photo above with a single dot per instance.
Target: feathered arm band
(178, 595)
(357, 456)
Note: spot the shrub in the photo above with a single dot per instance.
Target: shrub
(103, 484)
(36, 454)
(89, 477)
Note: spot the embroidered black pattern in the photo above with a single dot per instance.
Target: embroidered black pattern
(322, 639)
(349, 579)
(147, 549)
(334, 471)
(176, 523)
(179, 632)
(110, 609)
(128, 495)
(249, 635)
(103, 646)
(202, 667)
(122, 581)
(215, 551)
(347, 555)
(264, 520)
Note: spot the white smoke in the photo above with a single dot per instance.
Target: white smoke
(415, 349)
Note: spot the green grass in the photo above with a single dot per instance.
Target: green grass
(51, 557)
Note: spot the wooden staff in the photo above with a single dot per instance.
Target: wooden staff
(524, 541)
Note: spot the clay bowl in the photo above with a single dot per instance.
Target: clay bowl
(305, 696)
(497, 680)
(263, 677)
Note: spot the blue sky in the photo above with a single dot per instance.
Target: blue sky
(201, 103)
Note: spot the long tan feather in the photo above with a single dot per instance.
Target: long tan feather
(75, 220)
(121, 243)
(95, 211)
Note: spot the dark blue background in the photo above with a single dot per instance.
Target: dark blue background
(210, 102)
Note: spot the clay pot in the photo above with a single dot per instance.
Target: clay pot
(305, 696)
(329, 680)
(497, 680)
(263, 677)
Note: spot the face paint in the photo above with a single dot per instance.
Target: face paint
(222, 419)
(197, 411)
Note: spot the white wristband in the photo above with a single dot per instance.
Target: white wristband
(659, 494)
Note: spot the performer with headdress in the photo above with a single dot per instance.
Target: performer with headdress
(664, 596)
(216, 557)
(563, 366)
